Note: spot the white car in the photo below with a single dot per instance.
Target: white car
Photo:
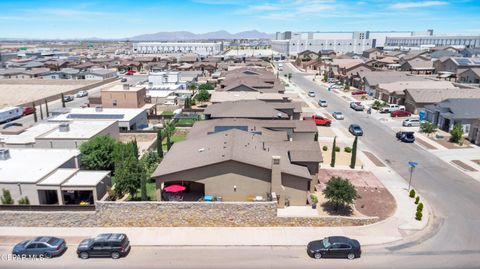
(82, 93)
(322, 103)
(311, 94)
(338, 115)
(411, 123)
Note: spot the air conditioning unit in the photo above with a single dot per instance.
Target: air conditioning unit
(4, 154)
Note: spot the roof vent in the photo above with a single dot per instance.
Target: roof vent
(64, 127)
(98, 108)
(201, 150)
(4, 154)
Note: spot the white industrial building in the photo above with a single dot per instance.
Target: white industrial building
(177, 47)
(291, 43)
(419, 42)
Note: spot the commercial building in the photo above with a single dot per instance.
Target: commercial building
(416, 42)
(52, 177)
(291, 43)
(177, 47)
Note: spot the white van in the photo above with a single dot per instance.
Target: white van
(10, 113)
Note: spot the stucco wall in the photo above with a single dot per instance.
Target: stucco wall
(172, 214)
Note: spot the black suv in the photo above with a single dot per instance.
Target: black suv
(104, 245)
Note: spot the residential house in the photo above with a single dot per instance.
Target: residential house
(236, 164)
(372, 53)
(455, 65)
(449, 112)
(474, 134)
(371, 80)
(251, 79)
(417, 99)
(124, 96)
(254, 109)
(471, 75)
(418, 66)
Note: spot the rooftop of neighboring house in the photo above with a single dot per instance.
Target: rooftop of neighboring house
(234, 145)
(438, 95)
(458, 108)
(420, 64)
(475, 70)
(40, 163)
(123, 88)
(221, 96)
(399, 87)
(463, 61)
(346, 63)
(244, 109)
(375, 78)
(201, 128)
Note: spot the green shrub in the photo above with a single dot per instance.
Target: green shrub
(347, 149)
(418, 215)
(420, 207)
(6, 197)
(24, 201)
(412, 193)
(417, 199)
(314, 198)
(337, 148)
(324, 148)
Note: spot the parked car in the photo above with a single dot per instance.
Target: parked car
(359, 92)
(338, 115)
(411, 122)
(123, 80)
(336, 86)
(12, 124)
(322, 103)
(311, 93)
(391, 107)
(27, 110)
(114, 245)
(334, 247)
(407, 137)
(43, 246)
(319, 120)
(355, 130)
(82, 93)
(68, 98)
(357, 106)
(400, 113)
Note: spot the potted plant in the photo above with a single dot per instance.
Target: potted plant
(314, 200)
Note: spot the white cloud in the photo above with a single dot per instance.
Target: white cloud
(403, 5)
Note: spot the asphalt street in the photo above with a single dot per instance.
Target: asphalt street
(453, 196)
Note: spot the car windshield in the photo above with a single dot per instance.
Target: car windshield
(326, 243)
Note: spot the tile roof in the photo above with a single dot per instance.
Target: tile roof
(248, 109)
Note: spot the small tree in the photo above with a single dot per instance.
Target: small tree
(97, 153)
(353, 160)
(289, 76)
(188, 102)
(428, 127)
(325, 77)
(150, 161)
(159, 144)
(340, 192)
(347, 149)
(206, 86)
(324, 148)
(192, 87)
(24, 201)
(420, 207)
(417, 199)
(418, 216)
(334, 152)
(203, 95)
(456, 133)
(412, 193)
(169, 143)
(135, 148)
(128, 176)
(6, 197)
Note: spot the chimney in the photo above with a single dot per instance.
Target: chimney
(64, 127)
(126, 87)
(98, 108)
(4, 154)
(276, 181)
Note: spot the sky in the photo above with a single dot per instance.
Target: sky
(122, 18)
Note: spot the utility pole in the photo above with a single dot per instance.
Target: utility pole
(46, 108)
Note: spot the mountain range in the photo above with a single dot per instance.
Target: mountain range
(184, 35)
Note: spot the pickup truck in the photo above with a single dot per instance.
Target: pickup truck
(357, 106)
(391, 107)
(319, 120)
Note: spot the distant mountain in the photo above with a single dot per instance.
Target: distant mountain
(184, 35)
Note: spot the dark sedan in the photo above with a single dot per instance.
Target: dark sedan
(355, 130)
(334, 247)
(406, 137)
(43, 246)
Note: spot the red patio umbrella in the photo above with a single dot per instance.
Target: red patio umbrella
(174, 188)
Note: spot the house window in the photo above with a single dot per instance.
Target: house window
(114, 103)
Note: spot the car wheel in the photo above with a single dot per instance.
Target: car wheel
(84, 255)
(351, 256)
(47, 255)
(317, 255)
(115, 255)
